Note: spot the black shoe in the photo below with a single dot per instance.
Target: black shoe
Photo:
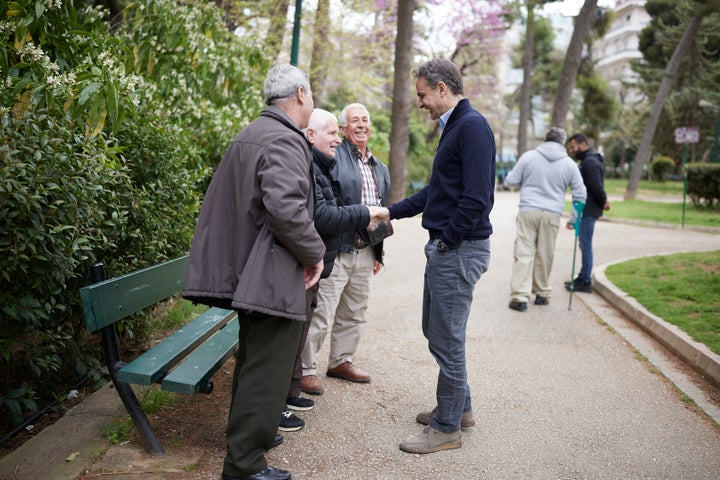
(539, 300)
(578, 285)
(289, 422)
(299, 404)
(519, 306)
(269, 473)
(278, 440)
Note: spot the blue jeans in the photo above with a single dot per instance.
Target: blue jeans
(587, 228)
(450, 279)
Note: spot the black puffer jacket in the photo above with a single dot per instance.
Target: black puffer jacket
(332, 220)
(592, 170)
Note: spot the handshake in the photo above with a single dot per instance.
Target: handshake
(377, 216)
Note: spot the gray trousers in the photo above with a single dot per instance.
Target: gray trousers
(260, 385)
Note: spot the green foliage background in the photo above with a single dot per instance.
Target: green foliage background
(697, 78)
(108, 139)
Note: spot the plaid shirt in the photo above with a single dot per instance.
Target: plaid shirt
(369, 195)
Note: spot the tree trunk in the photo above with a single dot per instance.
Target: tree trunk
(573, 57)
(319, 67)
(276, 30)
(643, 154)
(399, 132)
(526, 87)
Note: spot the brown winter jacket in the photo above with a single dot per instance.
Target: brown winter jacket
(255, 232)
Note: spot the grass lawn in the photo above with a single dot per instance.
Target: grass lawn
(683, 289)
(614, 186)
(668, 210)
(664, 212)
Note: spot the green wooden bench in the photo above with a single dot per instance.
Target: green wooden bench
(184, 362)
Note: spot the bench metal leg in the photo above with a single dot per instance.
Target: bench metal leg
(128, 397)
(125, 391)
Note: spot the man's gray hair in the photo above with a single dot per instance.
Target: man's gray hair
(441, 70)
(320, 119)
(342, 117)
(283, 81)
(556, 134)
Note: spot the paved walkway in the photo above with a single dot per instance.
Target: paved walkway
(557, 393)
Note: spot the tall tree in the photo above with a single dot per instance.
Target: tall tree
(321, 41)
(528, 67)
(571, 65)
(263, 22)
(644, 150)
(697, 77)
(276, 30)
(399, 133)
(526, 86)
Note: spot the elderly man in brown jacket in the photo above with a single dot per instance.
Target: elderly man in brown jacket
(256, 250)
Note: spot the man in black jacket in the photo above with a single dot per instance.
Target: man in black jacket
(331, 220)
(592, 170)
(357, 177)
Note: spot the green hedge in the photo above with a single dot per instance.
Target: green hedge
(704, 183)
(108, 138)
(661, 168)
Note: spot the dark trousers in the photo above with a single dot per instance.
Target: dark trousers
(262, 376)
(294, 390)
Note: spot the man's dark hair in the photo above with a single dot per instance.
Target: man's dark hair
(441, 70)
(579, 138)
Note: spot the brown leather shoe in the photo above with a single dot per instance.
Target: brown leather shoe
(348, 371)
(311, 384)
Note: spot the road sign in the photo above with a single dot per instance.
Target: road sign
(687, 134)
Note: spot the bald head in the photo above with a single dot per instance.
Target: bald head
(322, 131)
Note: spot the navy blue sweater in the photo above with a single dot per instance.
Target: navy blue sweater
(457, 201)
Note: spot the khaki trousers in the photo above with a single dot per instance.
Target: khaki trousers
(537, 231)
(342, 300)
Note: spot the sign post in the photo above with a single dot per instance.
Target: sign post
(686, 135)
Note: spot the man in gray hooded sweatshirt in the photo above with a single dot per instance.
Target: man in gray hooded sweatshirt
(543, 175)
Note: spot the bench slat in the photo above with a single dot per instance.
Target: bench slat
(111, 300)
(153, 365)
(198, 367)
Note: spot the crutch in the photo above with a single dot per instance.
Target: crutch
(578, 207)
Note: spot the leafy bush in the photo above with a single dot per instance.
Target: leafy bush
(60, 195)
(203, 78)
(704, 183)
(662, 167)
(107, 142)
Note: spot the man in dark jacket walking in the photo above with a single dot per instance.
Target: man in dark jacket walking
(256, 250)
(456, 207)
(592, 170)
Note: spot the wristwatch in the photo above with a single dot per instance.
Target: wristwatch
(442, 247)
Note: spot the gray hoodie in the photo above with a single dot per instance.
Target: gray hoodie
(543, 175)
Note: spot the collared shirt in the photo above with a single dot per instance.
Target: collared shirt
(442, 121)
(369, 189)
(368, 185)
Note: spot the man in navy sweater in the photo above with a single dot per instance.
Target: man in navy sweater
(456, 207)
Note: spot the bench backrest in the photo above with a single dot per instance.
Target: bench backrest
(111, 300)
